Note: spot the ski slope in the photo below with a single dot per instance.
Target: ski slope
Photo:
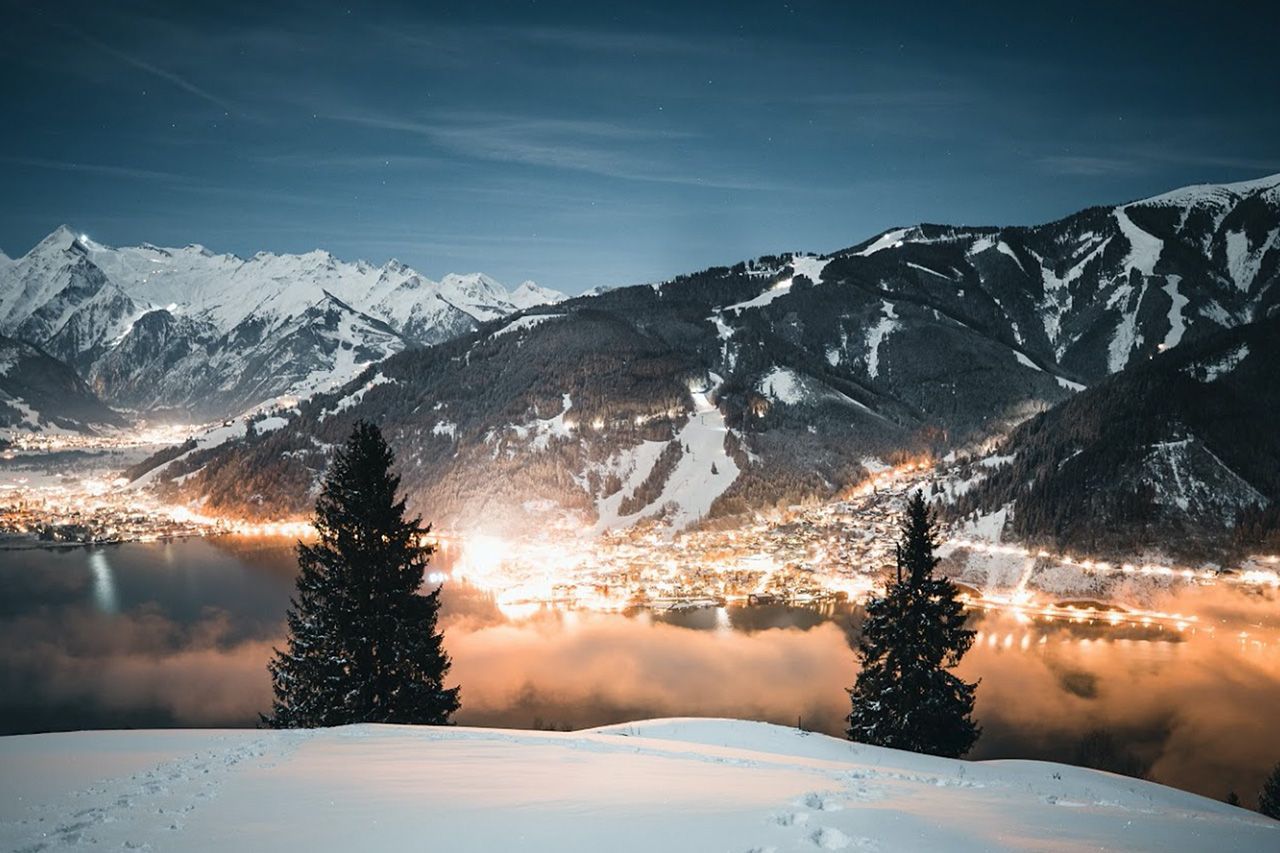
(670, 785)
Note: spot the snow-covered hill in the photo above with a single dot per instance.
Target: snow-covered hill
(38, 393)
(679, 784)
(210, 334)
(1171, 454)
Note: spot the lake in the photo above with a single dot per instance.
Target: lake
(178, 634)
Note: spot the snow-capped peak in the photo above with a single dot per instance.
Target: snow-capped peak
(59, 240)
(91, 296)
(529, 294)
(1215, 194)
(475, 283)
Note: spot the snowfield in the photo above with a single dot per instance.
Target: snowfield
(676, 784)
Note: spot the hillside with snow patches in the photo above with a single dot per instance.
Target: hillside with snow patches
(39, 393)
(209, 334)
(675, 784)
(721, 391)
(1167, 455)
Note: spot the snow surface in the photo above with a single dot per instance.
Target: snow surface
(1243, 263)
(356, 396)
(558, 427)
(1026, 362)
(1186, 474)
(980, 245)
(692, 488)
(988, 528)
(887, 240)
(782, 386)
(780, 288)
(876, 336)
(1211, 371)
(923, 268)
(1126, 336)
(1004, 248)
(810, 267)
(1144, 249)
(1214, 194)
(526, 322)
(270, 424)
(674, 784)
(723, 329)
(1177, 322)
(529, 294)
(704, 472)
(205, 438)
(632, 467)
(1211, 310)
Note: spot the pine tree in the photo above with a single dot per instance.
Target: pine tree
(1269, 796)
(904, 696)
(363, 645)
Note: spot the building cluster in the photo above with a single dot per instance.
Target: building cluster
(86, 512)
(819, 552)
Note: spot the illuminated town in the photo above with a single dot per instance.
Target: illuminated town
(840, 550)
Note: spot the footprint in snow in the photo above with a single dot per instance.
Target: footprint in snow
(829, 838)
(819, 802)
(791, 819)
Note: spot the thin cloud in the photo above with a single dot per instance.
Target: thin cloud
(455, 39)
(909, 98)
(156, 71)
(106, 170)
(1218, 161)
(1133, 161)
(1086, 166)
(354, 162)
(572, 144)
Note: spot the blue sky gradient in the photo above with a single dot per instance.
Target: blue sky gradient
(601, 144)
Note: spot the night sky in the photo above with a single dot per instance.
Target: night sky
(610, 143)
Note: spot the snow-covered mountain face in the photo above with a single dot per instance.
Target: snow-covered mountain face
(718, 392)
(211, 334)
(40, 393)
(1177, 454)
(1094, 292)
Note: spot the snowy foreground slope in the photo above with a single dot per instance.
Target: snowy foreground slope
(679, 784)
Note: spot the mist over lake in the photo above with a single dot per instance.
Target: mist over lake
(178, 634)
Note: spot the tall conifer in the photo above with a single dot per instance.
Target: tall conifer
(363, 645)
(905, 696)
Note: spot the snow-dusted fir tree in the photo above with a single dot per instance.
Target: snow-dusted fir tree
(905, 697)
(363, 645)
(1269, 796)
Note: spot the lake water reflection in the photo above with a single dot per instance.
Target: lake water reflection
(179, 634)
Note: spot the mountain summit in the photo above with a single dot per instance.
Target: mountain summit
(212, 334)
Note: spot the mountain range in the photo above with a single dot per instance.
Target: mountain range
(774, 380)
(1161, 456)
(208, 335)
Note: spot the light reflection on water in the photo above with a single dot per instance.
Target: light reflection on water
(179, 634)
(104, 585)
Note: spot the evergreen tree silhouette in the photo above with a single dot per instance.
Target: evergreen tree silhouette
(905, 697)
(363, 645)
